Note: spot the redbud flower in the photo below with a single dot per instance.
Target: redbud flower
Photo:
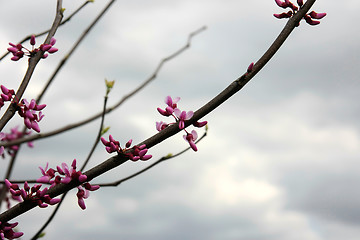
(13, 135)
(172, 105)
(65, 175)
(2, 136)
(281, 4)
(291, 5)
(249, 69)
(47, 174)
(72, 174)
(6, 95)
(200, 124)
(28, 112)
(112, 145)
(135, 153)
(19, 50)
(316, 15)
(161, 125)
(283, 15)
(32, 40)
(183, 116)
(81, 195)
(310, 21)
(190, 138)
(308, 17)
(139, 153)
(33, 194)
(6, 231)
(84, 193)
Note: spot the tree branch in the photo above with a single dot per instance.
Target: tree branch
(33, 61)
(44, 32)
(233, 88)
(108, 110)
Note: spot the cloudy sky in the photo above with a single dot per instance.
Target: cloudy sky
(281, 159)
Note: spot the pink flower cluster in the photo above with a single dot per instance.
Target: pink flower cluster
(309, 18)
(6, 95)
(6, 231)
(18, 50)
(135, 153)
(13, 135)
(34, 194)
(26, 110)
(180, 118)
(64, 174)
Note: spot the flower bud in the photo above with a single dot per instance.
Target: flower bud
(316, 15)
(32, 40)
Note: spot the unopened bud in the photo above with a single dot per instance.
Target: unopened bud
(32, 40)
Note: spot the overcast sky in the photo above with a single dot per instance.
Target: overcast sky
(281, 159)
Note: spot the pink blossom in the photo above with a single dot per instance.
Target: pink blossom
(32, 40)
(111, 145)
(18, 50)
(135, 153)
(191, 138)
(283, 15)
(34, 194)
(172, 105)
(84, 193)
(281, 4)
(65, 174)
(7, 95)
(308, 17)
(310, 21)
(13, 135)
(183, 116)
(316, 15)
(138, 153)
(29, 112)
(6, 231)
(161, 125)
(81, 195)
(180, 118)
(200, 124)
(250, 67)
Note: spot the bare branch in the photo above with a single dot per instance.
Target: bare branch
(108, 110)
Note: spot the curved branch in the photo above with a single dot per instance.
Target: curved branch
(233, 88)
(72, 50)
(108, 110)
(168, 157)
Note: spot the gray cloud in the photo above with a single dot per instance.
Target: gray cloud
(281, 156)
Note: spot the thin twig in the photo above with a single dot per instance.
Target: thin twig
(97, 139)
(44, 32)
(108, 110)
(164, 158)
(51, 217)
(72, 50)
